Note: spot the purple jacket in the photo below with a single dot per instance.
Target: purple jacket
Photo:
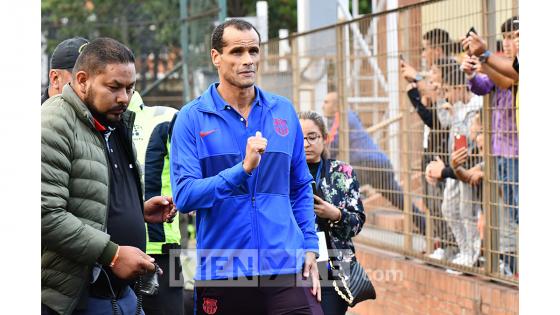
(504, 130)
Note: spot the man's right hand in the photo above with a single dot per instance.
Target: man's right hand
(132, 262)
(470, 65)
(434, 170)
(256, 146)
(408, 72)
(474, 45)
(459, 157)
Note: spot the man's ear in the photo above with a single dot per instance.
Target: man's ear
(81, 79)
(54, 79)
(216, 57)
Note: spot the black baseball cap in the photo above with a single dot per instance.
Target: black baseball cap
(66, 53)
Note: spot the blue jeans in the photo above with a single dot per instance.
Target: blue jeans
(508, 175)
(508, 219)
(97, 306)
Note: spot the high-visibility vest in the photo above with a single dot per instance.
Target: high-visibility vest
(150, 136)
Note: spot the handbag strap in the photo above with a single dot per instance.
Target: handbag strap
(349, 298)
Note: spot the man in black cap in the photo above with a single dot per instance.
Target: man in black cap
(62, 61)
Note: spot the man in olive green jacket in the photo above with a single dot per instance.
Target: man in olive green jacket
(89, 206)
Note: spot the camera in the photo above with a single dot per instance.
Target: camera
(148, 283)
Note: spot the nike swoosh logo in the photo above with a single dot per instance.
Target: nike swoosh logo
(206, 133)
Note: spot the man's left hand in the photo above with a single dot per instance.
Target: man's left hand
(310, 269)
(476, 176)
(159, 209)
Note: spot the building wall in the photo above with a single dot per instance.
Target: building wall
(406, 286)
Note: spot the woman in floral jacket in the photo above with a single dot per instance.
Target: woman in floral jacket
(339, 210)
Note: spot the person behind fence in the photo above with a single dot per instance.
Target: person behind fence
(475, 45)
(467, 162)
(375, 168)
(437, 53)
(150, 137)
(458, 207)
(423, 96)
(468, 165)
(483, 79)
(438, 47)
(339, 211)
(238, 159)
(92, 211)
(62, 61)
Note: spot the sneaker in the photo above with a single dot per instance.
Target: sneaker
(438, 254)
(459, 259)
(505, 269)
(462, 259)
(453, 272)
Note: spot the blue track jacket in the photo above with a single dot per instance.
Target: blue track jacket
(257, 224)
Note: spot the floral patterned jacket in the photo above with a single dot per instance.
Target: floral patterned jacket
(339, 186)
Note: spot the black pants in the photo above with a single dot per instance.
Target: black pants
(280, 296)
(331, 302)
(169, 300)
(45, 310)
(188, 300)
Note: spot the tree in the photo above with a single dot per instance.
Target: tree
(132, 22)
(281, 14)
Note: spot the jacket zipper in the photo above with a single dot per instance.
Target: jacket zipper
(254, 226)
(255, 214)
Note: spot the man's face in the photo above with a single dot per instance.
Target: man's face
(509, 48)
(330, 104)
(239, 61)
(108, 93)
(455, 93)
(475, 128)
(428, 53)
(433, 85)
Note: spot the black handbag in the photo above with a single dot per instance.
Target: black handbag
(353, 284)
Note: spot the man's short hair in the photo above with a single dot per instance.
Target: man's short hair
(99, 53)
(509, 26)
(438, 37)
(218, 33)
(455, 76)
(446, 65)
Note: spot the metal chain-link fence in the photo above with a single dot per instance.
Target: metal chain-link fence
(399, 133)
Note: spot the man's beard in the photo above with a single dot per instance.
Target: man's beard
(101, 118)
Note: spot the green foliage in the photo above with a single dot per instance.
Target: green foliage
(134, 22)
(281, 14)
(364, 6)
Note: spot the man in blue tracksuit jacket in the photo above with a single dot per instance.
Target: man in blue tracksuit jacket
(237, 158)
